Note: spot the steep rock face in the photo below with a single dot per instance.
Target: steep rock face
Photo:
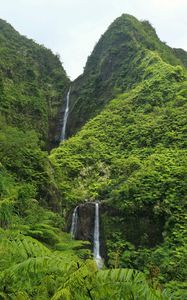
(33, 84)
(113, 67)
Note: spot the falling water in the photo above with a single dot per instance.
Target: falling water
(96, 251)
(74, 222)
(63, 133)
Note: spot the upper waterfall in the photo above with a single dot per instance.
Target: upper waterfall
(63, 133)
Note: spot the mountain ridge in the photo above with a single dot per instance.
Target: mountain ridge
(111, 68)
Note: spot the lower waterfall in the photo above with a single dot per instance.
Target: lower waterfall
(74, 222)
(96, 250)
(87, 227)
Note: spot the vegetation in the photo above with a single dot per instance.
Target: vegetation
(131, 157)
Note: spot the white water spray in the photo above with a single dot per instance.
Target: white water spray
(63, 133)
(96, 251)
(74, 222)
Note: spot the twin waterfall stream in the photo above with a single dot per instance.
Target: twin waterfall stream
(74, 222)
(96, 242)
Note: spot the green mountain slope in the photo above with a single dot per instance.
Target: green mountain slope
(32, 84)
(32, 87)
(132, 158)
(113, 67)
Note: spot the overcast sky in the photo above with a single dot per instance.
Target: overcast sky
(72, 27)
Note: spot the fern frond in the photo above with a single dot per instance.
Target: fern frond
(124, 284)
(62, 294)
(19, 248)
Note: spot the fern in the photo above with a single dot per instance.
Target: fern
(118, 284)
(79, 282)
(44, 233)
(124, 284)
(20, 296)
(27, 265)
(18, 248)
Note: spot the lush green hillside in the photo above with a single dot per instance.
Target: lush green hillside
(132, 157)
(113, 67)
(32, 84)
(32, 87)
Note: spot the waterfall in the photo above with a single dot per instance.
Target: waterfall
(74, 222)
(82, 223)
(96, 250)
(63, 133)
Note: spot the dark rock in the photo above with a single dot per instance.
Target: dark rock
(86, 217)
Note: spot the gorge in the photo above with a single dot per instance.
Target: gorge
(93, 169)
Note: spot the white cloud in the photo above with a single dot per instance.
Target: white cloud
(72, 27)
